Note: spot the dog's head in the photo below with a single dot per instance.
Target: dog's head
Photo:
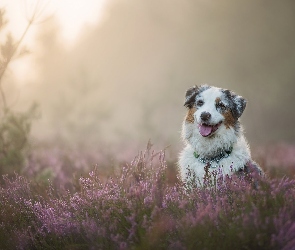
(212, 109)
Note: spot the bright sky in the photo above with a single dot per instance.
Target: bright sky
(71, 14)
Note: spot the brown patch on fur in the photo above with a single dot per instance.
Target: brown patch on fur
(229, 120)
(190, 115)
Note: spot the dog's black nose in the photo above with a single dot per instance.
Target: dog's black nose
(205, 116)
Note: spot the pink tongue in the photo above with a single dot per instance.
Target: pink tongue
(205, 130)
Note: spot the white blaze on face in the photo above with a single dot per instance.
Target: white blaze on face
(206, 104)
(209, 97)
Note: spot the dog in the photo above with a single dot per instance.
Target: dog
(213, 134)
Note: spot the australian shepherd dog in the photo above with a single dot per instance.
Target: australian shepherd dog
(213, 134)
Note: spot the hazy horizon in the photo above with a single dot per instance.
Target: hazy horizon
(124, 78)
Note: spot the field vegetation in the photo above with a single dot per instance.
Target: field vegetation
(143, 205)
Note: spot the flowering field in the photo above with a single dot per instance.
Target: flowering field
(143, 206)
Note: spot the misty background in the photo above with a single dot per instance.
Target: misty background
(124, 79)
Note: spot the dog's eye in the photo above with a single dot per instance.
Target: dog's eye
(221, 106)
(200, 103)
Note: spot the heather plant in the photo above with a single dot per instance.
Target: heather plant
(61, 164)
(139, 208)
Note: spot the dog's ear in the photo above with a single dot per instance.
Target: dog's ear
(240, 105)
(237, 103)
(190, 96)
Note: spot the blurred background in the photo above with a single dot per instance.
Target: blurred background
(110, 75)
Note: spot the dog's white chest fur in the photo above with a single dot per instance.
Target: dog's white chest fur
(211, 128)
(237, 159)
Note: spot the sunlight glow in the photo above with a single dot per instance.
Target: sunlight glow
(71, 15)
